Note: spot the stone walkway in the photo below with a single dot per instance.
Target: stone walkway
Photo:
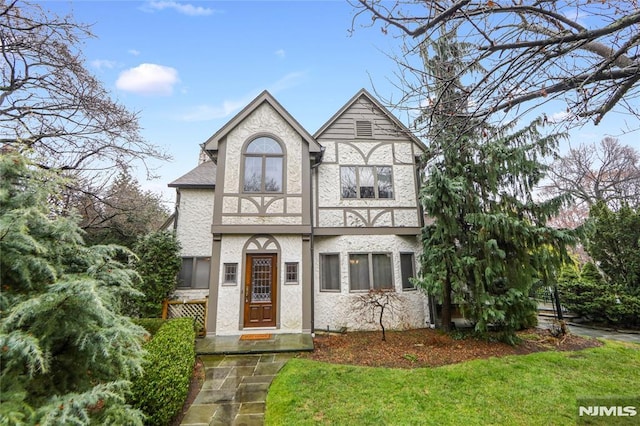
(235, 389)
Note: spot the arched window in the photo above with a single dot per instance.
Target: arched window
(263, 166)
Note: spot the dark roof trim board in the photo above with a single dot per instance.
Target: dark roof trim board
(265, 97)
(385, 111)
(203, 177)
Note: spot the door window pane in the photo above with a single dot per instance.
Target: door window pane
(359, 272)
(261, 271)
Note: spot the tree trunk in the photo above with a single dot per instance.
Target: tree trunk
(384, 337)
(446, 305)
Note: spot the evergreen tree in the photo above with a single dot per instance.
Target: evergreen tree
(158, 264)
(66, 353)
(613, 240)
(120, 214)
(489, 241)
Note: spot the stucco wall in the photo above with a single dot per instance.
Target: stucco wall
(195, 216)
(399, 211)
(240, 208)
(230, 296)
(334, 310)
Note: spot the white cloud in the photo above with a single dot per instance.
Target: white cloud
(280, 53)
(290, 80)
(184, 8)
(212, 112)
(101, 64)
(227, 107)
(148, 79)
(133, 52)
(560, 116)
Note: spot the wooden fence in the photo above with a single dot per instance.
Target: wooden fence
(196, 309)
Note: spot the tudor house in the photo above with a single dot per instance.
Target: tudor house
(283, 230)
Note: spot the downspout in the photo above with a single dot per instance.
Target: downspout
(176, 211)
(314, 169)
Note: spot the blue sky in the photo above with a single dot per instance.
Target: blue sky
(187, 67)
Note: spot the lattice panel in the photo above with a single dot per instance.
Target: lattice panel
(196, 309)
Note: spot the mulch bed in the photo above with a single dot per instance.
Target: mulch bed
(432, 348)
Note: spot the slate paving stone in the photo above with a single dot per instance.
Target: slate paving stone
(258, 379)
(236, 386)
(268, 368)
(249, 420)
(212, 384)
(252, 408)
(250, 395)
(240, 361)
(215, 396)
(199, 414)
(244, 371)
(216, 372)
(211, 360)
(226, 413)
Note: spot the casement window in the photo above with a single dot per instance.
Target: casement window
(263, 166)
(370, 271)
(330, 272)
(194, 272)
(230, 273)
(407, 270)
(366, 181)
(291, 272)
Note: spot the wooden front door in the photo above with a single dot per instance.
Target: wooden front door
(260, 290)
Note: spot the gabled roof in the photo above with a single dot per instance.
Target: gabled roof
(203, 176)
(364, 93)
(265, 97)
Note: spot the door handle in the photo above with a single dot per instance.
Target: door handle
(246, 295)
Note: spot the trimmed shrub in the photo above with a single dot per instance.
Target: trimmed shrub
(152, 325)
(163, 387)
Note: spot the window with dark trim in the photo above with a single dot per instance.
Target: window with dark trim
(330, 272)
(370, 271)
(194, 272)
(291, 272)
(366, 181)
(407, 270)
(230, 273)
(263, 166)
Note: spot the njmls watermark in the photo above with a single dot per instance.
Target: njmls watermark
(609, 411)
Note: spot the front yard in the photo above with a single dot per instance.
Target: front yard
(535, 389)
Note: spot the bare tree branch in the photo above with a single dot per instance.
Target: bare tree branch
(582, 53)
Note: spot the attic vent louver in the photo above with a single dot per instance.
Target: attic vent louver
(364, 129)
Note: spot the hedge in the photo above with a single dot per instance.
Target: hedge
(162, 389)
(152, 325)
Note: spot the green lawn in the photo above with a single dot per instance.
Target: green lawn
(536, 389)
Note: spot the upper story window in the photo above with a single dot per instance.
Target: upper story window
(366, 182)
(263, 166)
